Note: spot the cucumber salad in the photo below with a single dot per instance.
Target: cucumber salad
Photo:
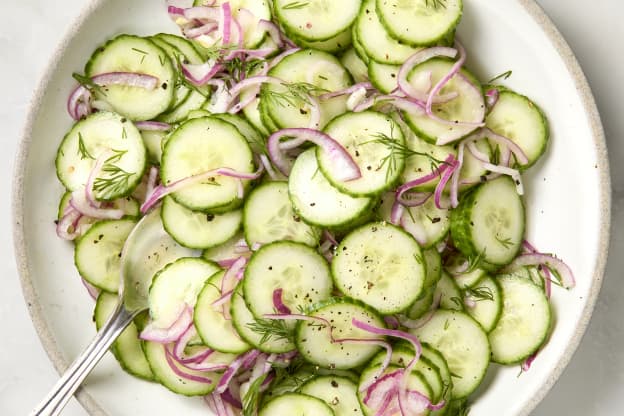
(335, 207)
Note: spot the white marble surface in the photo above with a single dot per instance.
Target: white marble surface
(593, 384)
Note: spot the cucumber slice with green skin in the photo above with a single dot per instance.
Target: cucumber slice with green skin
(312, 67)
(524, 323)
(252, 111)
(89, 139)
(182, 91)
(521, 120)
(197, 229)
(225, 251)
(243, 321)
(488, 300)
(438, 360)
(375, 39)
(98, 253)
(340, 393)
(529, 272)
(301, 273)
(464, 345)
(422, 305)
(422, 160)
(433, 263)
(127, 348)
(448, 293)
(384, 77)
(314, 339)
(268, 216)
(175, 287)
(489, 222)
(419, 22)
(371, 139)
(296, 404)
(215, 331)
(334, 45)
(256, 141)
(416, 381)
(265, 118)
(153, 141)
(164, 374)
(129, 205)
(316, 20)
(402, 355)
(316, 201)
(469, 104)
(184, 46)
(126, 53)
(200, 145)
(471, 274)
(380, 265)
(193, 101)
(356, 67)
(359, 50)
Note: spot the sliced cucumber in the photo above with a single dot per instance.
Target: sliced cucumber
(175, 287)
(244, 322)
(427, 223)
(335, 44)
(312, 71)
(296, 404)
(375, 39)
(468, 106)
(488, 299)
(127, 348)
(160, 362)
(340, 393)
(384, 77)
(448, 293)
(371, 139)
(198, 146)
(268, 216)
(356, 67)
(316, 20)
(317, 201)
(215, 331)
(100, 134)
(257, 143)
(126, 53)
(420, 22)
(423, 159)
(298, 270)
(489, 222)
(153, 141)
(464, 345)
(437, 359)
(316, 341)
(380, 265)
(472, 171)
(521, 120)
(98, 253)
(422, 305)
(225, 251)
(193, 101)
(465, 272)
(195, 229)
(524, 323)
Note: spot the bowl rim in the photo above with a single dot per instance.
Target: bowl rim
(47, 339)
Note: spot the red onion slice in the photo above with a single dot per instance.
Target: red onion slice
(127, 79)
(174, 332)
(397, 212)
(204, 30)
(278, 303)
(456, 174)
(68, 221)
(79, 103)
(507, 143)
(401, 190)
(200, 74)
(561, 270)
(417, 59)
(226, 23)
(352, 89)
(346, 168)
(272, 30)
(233, 369)
(203, 13)
(80, 203)
(162, 191)
(491, 97)
(152, 126)
(180, 373)
(446, 176)
(92, 290)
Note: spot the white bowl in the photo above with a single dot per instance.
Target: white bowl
(568, 198)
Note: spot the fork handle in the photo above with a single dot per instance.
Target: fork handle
(67, 385)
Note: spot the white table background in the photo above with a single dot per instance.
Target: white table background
(593, 384)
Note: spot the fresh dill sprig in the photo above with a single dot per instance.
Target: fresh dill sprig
(82, 149)
(505, 242)
(295, 5)
(458, 301)
(474, 262)
(272, 329)
(398, 152)
(116, 180)
(251, 400)
(88, 83)
(436, 4)
(296, 94)
(479, 293)
(502, 76)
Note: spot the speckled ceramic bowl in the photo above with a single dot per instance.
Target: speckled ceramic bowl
(568, 198)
